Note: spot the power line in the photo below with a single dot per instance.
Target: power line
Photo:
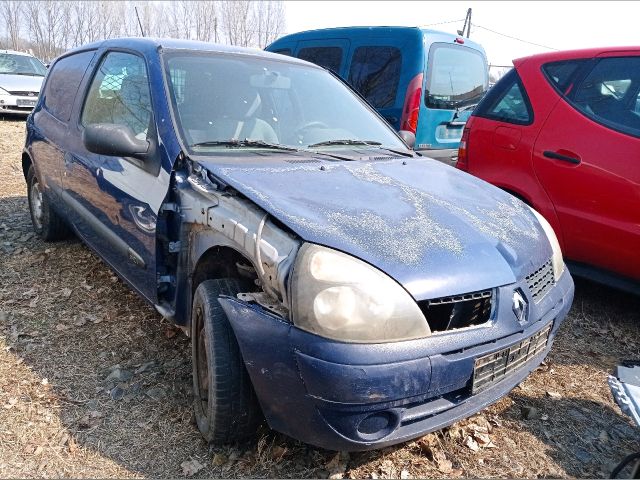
(442, 23)
(514, 38)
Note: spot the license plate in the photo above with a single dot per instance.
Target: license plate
(26, 102)
(494, 366)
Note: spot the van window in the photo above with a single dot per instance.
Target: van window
(284, 51)
(456, 76)
(375, 73)
(119, 94)
(327, 57)
(63, 83)
(506, 102)
(609, 94)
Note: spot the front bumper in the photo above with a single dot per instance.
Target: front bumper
(444, 155)
(353, 397)
(17, 104)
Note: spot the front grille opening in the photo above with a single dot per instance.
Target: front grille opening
(541, 281)
(460, 311)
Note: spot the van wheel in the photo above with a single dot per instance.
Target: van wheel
(226, 407)
(47, 224)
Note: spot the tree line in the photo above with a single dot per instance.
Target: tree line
(49, 27)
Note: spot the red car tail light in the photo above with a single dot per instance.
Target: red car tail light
(463, 151)
(411, 108)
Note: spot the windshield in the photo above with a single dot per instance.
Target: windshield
(222, 98)
(21, 65)
(457, 76)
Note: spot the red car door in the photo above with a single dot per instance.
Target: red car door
(587, 158)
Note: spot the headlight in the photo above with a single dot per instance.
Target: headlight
(338, 296)
(558, 263)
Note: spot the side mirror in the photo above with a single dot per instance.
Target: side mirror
(408, 137)
(114, 140)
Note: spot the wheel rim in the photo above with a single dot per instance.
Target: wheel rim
(37, 204)
(202, 362)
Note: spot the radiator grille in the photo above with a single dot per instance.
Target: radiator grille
(541, 281)
(24, 93)
(493, 367)
(459, 311)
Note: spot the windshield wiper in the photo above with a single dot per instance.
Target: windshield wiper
(234, 143)
(344, 142)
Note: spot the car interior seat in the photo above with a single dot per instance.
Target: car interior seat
(133, 105)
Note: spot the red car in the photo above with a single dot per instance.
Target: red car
(561, 131)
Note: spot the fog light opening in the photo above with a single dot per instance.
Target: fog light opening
(378, 425)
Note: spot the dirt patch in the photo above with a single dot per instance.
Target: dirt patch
(93, 383)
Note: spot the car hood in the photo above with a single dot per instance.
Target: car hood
(20, 83)
(436, 230)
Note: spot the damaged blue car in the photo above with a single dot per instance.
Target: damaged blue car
(349, 291)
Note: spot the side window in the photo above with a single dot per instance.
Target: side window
(119, 94)
(375, 73)
(561, 74)
(609, 94)
(284, 51)
(507, 102)
(327, 57)
(63, 82)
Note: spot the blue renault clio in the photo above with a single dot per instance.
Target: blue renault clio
(333, 282)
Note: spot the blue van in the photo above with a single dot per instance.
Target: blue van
(419, 80)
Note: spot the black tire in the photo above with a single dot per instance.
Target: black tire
(47, 224)
(226, 408)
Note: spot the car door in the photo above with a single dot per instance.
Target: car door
(51, 119)
(115, 201)
(587, 157)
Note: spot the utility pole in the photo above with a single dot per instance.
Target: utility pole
(467, 25)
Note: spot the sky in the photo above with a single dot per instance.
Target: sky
(560, 25)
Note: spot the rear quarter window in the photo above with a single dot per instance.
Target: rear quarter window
(63, 82)
(327, 57)
(507, 102)
(609, 94)
(375, 73)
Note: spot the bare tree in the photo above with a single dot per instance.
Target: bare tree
(49, 27)
(269, 21)
(238, 21)
(11, 14)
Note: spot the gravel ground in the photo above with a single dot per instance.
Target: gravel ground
(93, 383)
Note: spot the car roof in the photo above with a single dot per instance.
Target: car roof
(143, 44)
(368, 32)
(571, 54)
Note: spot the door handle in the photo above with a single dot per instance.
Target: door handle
(560, 156)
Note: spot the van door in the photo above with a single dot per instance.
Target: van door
(115, 201)
(330, 54)
(456, 80)
(375, 71)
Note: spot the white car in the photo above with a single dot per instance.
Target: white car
(21, 77)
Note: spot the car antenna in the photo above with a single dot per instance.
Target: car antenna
(139, 22)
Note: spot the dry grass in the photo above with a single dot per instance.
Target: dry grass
(66, 321)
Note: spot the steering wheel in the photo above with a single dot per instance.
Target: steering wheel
(309, 125)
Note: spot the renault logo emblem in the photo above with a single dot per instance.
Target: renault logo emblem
(519, 306)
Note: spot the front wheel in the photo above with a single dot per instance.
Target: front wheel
(225, 404)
